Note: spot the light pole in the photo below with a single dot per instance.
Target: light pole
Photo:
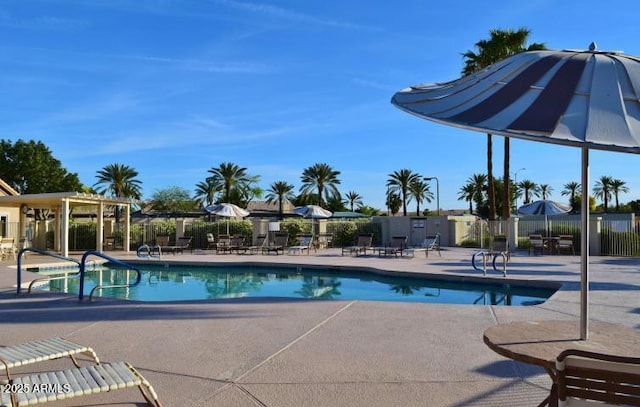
(515, 181)
(437, 191)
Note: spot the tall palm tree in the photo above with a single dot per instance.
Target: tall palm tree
(602, 190)
(420, 191)
(206, 191)
(500, 45)
(399, 182)
(572, 189)
(466, 193)
(119, 180)
(280, 191)
(544, 191)
(528, 189)
(393, 202)
(322, 179)
(618, 186)
(229, 175)
(353, 198)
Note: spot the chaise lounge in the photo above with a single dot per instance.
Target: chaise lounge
(361, 245)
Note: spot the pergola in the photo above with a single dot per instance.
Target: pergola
(60, 203)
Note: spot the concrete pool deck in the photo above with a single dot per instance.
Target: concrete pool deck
(319, 353)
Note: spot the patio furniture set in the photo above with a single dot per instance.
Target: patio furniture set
(396, 247)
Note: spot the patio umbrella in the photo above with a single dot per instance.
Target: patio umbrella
(312, 212)
(227, 210)
(586, 99)
(544, 207)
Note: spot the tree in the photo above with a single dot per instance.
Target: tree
(353, 198)
(618, 186)
(173, 201)
(602, 190)
(280, 191)
(466, 193)
(229, 175)
(529, 188)
(322, 179)
(205, 193)
(120, 181)
(545, 191)
(420, 191)
(399, 182)
(394, 202)
(30, 168)
(500, 45)
(572, 189)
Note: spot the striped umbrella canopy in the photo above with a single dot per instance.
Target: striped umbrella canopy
(544, 207)
(587, 99)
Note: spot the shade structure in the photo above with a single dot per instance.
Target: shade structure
(587, 99)
(227, 210)
(312, 211)
(544, 207)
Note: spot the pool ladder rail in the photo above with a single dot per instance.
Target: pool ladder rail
(485, 255)
(82, 268)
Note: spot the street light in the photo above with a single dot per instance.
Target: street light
(515, 181)
(437, 190)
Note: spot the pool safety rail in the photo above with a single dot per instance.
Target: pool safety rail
(487, 255)
(82, 263)
(148, 252)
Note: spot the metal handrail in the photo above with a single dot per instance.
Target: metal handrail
(484, 261)
(484, 254)
(45, 253)
(505, 259)
(101, 287)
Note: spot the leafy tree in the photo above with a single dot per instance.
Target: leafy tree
(500, 45)
(368, 210)
(603, 189)
(280, 191)
(353, 198)
(400, 182)
(173, 201)
(229, 175)
(320, 178)
(420, 191)
(618, 186)
(572, 189)
(120, 181)
(30, 168)
(529, 189)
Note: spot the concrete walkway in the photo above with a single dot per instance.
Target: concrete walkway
(275, 352)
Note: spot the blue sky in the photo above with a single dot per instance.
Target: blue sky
(174, 88)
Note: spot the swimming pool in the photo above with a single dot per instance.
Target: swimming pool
(181, 282)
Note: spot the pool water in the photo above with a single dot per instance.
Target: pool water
(180, 283)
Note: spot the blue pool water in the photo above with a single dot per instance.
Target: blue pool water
(179, 283)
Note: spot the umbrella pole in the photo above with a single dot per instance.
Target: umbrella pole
(584, 248)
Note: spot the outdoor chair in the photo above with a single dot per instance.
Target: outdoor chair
(305, 242)
(236, 243)
(395, 246)
(211, 241)
(281, 240)
(596, 379)
(223, 243)
(536, 243)
(432, 244)
(361, 245)
(261, 241)
(7, 247)
(565, 243)
(501, 246)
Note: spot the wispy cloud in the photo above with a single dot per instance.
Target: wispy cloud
(289, 15)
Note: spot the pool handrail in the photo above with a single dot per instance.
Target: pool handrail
(100, 287)
(44, 253)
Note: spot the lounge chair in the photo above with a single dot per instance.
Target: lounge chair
(183, 242)
(211, 241)
(361, 245)
(281, 240)
(261, 242)
(565, 244)
(7, 247)
(395, 246)
(305, 243)
(595, 379)
(536, 243)
(223, 243)
(429, 244)
(501, 246)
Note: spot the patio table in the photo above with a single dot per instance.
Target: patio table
(540, 343)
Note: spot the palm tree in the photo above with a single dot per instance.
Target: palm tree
(466, 193)
(544, 191)
(228, 175)
(572, 189)
(501, 44)
(393, 202)
(353, 198)
(206, 191)
(602, 190)
(399, 182)
(321, 178)
(119, 180)
(420, 191)
(280, 191)
(618, 186)
(528, 188)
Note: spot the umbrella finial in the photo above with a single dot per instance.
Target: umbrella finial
(593, 46)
